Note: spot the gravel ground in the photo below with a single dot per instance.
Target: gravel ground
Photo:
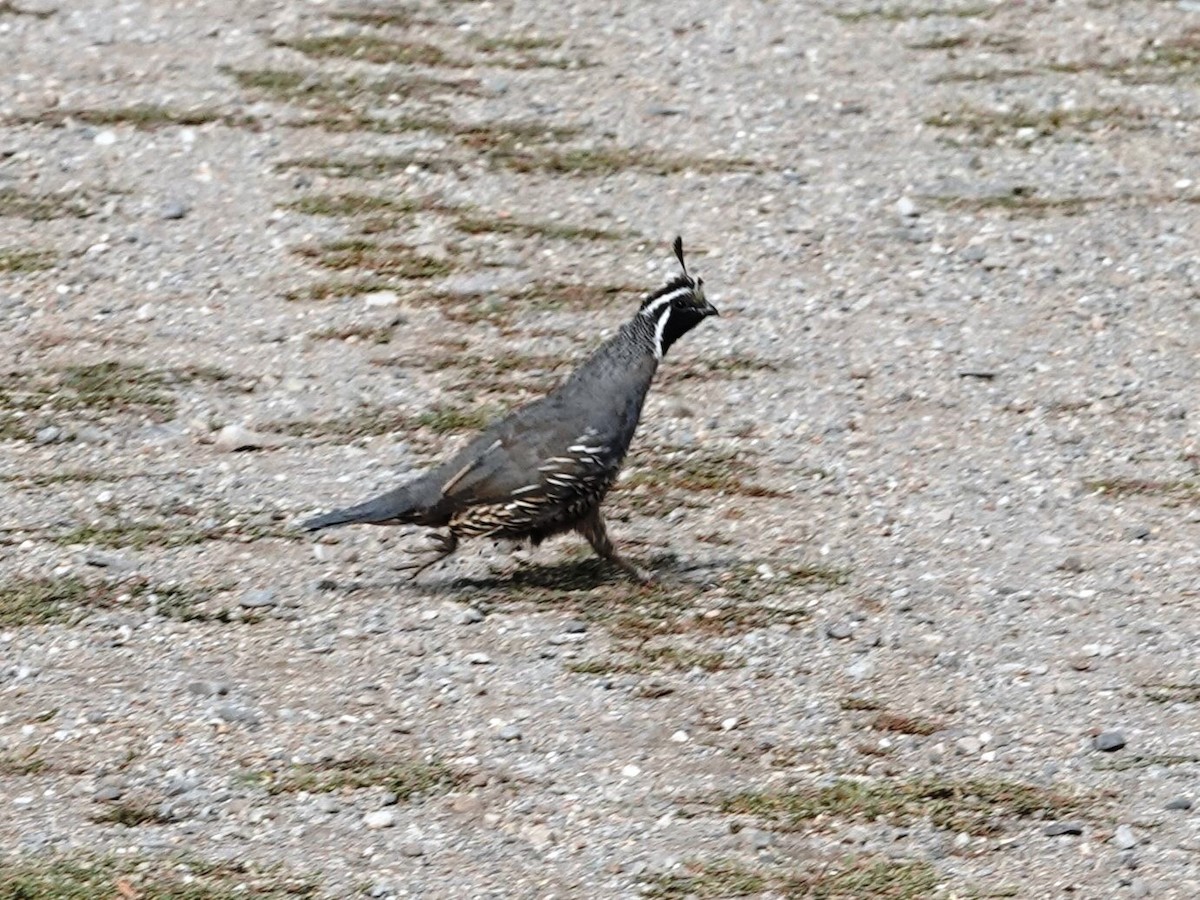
(923, 498)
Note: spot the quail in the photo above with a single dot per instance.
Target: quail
(544, 468)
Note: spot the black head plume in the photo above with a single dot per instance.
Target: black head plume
(677, 307)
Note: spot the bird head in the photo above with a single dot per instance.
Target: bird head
(677, 307)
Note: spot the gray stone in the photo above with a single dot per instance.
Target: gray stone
(258, 599)
(412, 849)
(49, 435)
(1108, 741)
(380, 818)
(469, 616)
(575, 626)
(1178, 803)
(840, 630)
(509, 733)
(1124, 838)
(108, 792)
(968, 746)
(231, 712)
(173, 209)
(327, 804)
(1056, 829)
(1072, 564)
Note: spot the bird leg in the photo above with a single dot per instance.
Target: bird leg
(594, 529)
(445, 544)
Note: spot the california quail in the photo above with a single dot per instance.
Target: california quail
(544, 468)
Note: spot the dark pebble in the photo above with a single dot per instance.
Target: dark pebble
(1057, 829)
(1178, 803)
(1138, 533)
(327, 584)
(1108, 741)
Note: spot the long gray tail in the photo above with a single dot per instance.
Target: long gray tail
(393, 508)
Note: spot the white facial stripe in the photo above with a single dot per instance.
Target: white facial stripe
(658, 334)
(652, 310)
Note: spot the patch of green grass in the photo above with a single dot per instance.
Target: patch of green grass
(901, 12)
(338, 288)
(968, 76)
(382, 260)
(377, 16)
(634, 614)
(521, 42)
(641, 659)
(368, 166)
(372, 48)
(402, 776)
(41, 207)
(1019, 200)
(607, 161)
(854, 878)
(880, 879)
(8, 8)
(940, 42)
(1165, 692)
(713, 880)
(990, 125)
(735, 365)
(691, 471)
(99, 388)
(365, 422)
(17, 261)
(1143, 761)
(372, 334)
(860, 704)
(903, 724)
(1181, 490)
(350, 204)
(91, 877)
(49, 479)
(444, 419)
(479, 224)
(330, 92)
(130, 814)
(39, 601)
(42, 601)
(22, 764)
(975, 806)
(174, 531)
(142, 116)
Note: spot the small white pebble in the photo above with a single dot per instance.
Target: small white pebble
(680, 737)
(631, 771)
(730, 723)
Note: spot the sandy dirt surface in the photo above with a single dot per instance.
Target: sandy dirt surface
(923, 499)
